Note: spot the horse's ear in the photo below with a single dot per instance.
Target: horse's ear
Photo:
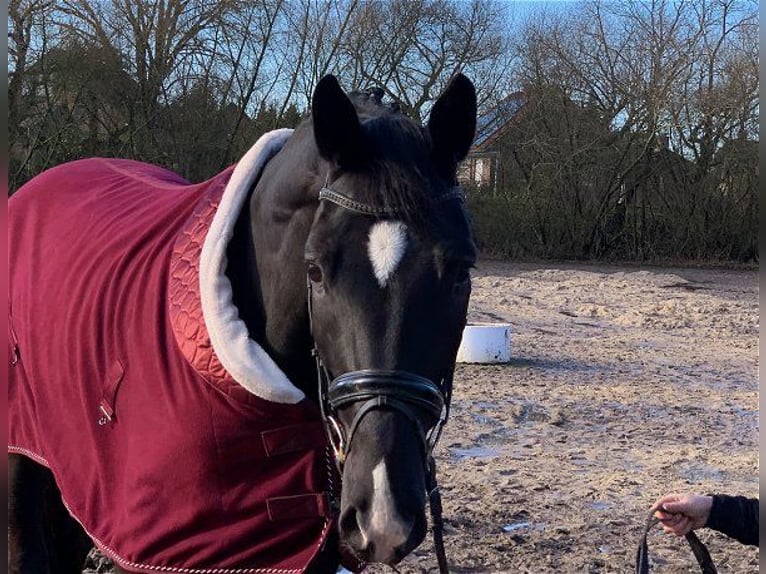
(452, 123)
(337, 131)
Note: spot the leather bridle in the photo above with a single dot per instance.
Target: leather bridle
(401, 391)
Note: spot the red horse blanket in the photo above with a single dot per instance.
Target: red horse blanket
(175, 440)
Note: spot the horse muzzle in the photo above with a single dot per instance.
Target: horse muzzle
(386, 523)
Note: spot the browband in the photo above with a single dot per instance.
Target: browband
(346, 202)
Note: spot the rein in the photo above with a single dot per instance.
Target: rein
(400, 391)
(700, 551)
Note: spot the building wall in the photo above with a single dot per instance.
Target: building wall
(479, 170)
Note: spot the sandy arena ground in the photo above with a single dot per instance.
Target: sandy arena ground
(625, 384)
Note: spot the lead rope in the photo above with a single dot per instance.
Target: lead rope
(432, 486)
(698, 548)
(435, 505)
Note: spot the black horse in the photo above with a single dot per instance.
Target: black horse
(349, 265)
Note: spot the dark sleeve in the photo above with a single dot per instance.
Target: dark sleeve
(735, 516)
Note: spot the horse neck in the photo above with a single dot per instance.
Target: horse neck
(267, 271)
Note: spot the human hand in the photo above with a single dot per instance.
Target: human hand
(679, 514)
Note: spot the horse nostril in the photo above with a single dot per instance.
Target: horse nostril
(349, 522)
(385, 543)
(353, 536)
(351, 531)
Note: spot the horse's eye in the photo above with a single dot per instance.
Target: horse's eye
(462, 276)
(314, 273)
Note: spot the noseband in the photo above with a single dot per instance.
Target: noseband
(399, 391)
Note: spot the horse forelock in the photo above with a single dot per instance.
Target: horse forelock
(398, 172)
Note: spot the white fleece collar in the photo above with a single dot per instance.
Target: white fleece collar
(242, 357)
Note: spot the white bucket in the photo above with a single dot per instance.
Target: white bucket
(485, 343)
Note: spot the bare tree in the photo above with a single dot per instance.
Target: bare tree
(719, 97)
(316, 35)
(411, 48)
(251, 38)
(23, 15)
(672, 81)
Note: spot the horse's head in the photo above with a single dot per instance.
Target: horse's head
(359, 219)
(387, 259)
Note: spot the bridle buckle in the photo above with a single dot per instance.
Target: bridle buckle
(336, 440)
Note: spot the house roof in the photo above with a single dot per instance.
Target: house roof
(490, 125)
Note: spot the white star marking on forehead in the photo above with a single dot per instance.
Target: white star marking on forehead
(388, 241)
